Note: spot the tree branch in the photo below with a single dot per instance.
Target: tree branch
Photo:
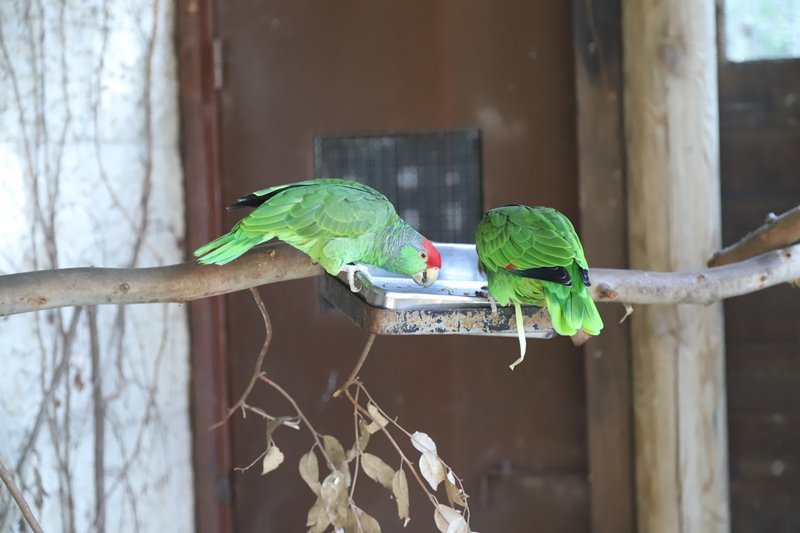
(33, 291)
(46, 289)
(700, 286)
(777, 232)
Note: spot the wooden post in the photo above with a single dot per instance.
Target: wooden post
(597, 30)
(672, 127)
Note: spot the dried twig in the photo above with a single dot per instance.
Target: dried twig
(8, 480)
(258, 372)
(404, 459)
(359, 364)
(777, 232)
(300, 414)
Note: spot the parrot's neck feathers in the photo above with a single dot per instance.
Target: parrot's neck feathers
(389, 242)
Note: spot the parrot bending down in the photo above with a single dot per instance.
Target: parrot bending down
(337, 223)
(532, 255)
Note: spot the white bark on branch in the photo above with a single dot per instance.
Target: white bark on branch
(47, 289)
(777, 232)
(699, 286)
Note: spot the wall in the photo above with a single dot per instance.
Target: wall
(93, 402)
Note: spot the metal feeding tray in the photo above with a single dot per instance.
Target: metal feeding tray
(390, 304)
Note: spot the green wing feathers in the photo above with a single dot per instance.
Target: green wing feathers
(307, 215)
(228, 247)
(533, 256)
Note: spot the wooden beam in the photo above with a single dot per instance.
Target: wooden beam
(200, 150)
(597, 30)
(672, 127)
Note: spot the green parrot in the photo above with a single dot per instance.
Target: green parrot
(532, 255)
(337, 223)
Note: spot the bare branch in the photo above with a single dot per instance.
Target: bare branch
(32, 291)
(698, 287)
(359, 364)
(777, 232)
(8, 480)
(258, 371)
(46, 289)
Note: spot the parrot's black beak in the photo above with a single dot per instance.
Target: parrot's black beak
(427, 277)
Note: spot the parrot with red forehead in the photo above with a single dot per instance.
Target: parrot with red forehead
(532, 255)
(338, 223)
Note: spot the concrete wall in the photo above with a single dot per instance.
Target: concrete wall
(93, 403)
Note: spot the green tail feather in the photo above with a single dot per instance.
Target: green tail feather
(571, 309)
(226, 248)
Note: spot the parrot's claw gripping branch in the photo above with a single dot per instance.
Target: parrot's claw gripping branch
(351, 275)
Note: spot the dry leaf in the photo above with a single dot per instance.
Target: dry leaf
(459, 525)
(431, 469)
(444, 516)
(367, 523)
(454, 494)
(309, 471)
(334, 496)
(628, 312)
(333, 449)
(377, 470)
(272, 459)
(317, 517)
(361, 444)
(400, 491)
(422, 442)
(378, 420)
(275, 423)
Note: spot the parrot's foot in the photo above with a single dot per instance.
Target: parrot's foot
(521, 334)
(492, 304)
(484, 293)
(351, 275)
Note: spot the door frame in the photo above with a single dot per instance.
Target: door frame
(598, 64)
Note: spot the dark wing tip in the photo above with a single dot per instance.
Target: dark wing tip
(251, 200)
(585, 277)
(555, 274)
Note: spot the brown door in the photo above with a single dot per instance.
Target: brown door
(760, 156)
(296, 70)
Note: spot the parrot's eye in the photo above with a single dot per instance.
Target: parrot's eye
(423, 256)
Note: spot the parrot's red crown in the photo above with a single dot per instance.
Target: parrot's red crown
(434, 257)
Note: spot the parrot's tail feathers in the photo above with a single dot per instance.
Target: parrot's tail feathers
(592, 323)
(572, 311)
(225, 249)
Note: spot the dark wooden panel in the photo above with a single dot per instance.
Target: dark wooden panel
(561, 497)
(759, 94)
(764, 507)
(297, 69)
(765, 446)
(759, 140)
(771, 316)
(598, 86)
(199, 150)
(760, 164)
(763, 378)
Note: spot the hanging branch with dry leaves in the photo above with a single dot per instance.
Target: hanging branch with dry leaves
(334, 505)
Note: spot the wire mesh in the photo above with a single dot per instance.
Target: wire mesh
(433, 178)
